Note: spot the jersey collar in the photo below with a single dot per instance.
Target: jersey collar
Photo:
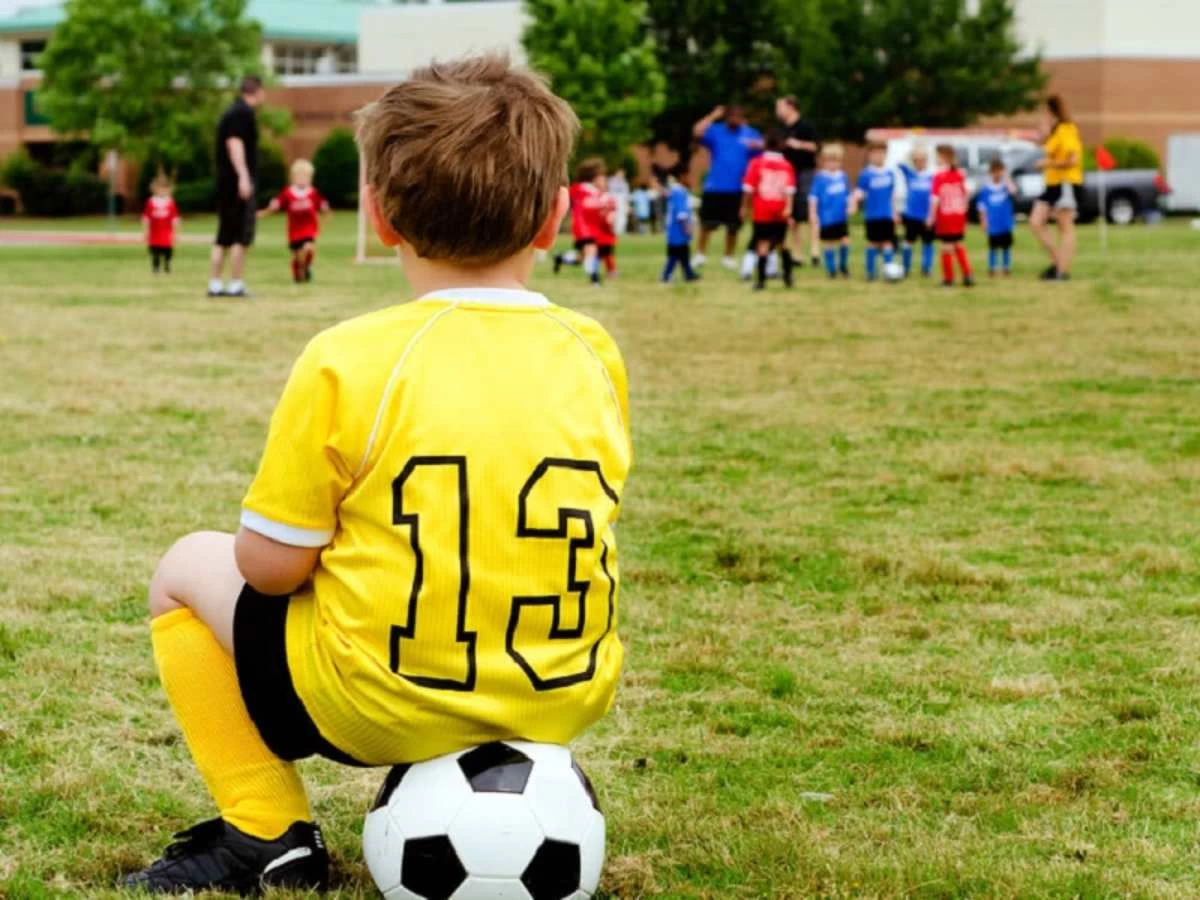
(490, 297)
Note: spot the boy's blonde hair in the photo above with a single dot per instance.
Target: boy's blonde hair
(465, 159)
(161, 182)
(832, 151)
(303, 167)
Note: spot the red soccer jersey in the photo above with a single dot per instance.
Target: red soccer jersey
(771, 181)
(950, 188)
(303, 206)
(161, 215)
(594, 211)
(581, 192)
(604, 220)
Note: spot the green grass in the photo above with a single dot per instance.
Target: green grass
(911, 575)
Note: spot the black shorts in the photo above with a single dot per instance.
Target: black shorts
(236, 221)
(604, 251)
(835, 232)
(260, 655)
(1061, 196)
(584, 242)
(804, 182)
(881, 231)
(950, 237)
(774, 233)
(917, 230)
(161, 250)
(304, 242)
(719, 208)
(1000, 241)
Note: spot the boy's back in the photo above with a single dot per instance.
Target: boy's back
(478, 443)
(771, 181)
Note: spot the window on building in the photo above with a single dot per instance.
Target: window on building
(315, 59)
(31, 54)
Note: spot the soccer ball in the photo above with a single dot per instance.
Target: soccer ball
(512, 820)
(893, 271)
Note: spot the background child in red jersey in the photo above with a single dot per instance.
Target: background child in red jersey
(768, 187)
(604, 221)
(948, 216)
(584, 199)
(161, 216)
(304, 205)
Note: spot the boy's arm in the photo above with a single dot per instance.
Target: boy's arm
(933, 208)
(272, 568)
(272, 207)
(982, 207)
(812, 210)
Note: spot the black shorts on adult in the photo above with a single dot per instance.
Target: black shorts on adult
(804, 182)
(719, 208)
(1000, 241)
(296, 245)
(950, 237)
(775, 233)
(881, 231)
(236, 221)
(917, 230)
(835, 232)
(260, 655)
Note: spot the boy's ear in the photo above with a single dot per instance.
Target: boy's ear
(387, 234)
(548, 233)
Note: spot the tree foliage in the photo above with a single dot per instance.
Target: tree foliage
(147, 77)
(853, 64)
(336, 161)
(600, 57)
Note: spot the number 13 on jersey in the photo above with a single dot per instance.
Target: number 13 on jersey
(522, 579)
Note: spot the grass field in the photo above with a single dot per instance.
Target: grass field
(912, 576)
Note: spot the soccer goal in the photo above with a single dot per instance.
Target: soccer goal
(369, 249)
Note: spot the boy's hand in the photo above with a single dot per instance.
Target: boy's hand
(718, 112)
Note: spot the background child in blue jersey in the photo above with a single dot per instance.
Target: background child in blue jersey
(679, 227)
(643, 208)
(919, 179)
(830, 205)
(877, 187)
(995, 206)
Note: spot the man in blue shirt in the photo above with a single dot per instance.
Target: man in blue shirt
(877, 185)
(830, 205)
(679, 227)
(731, 145)
(995, 207)
(919, 179)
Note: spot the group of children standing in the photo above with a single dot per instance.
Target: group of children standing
(935, 211)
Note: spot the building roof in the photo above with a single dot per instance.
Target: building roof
(328, 21)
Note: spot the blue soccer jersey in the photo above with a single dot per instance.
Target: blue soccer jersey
(831, 190)
(878, 186)
(731, 150)
(679, 216)
(996, 202)
(920, 189)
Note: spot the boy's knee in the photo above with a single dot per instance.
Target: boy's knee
(172, 573)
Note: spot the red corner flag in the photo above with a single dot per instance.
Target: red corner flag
(1104, 159)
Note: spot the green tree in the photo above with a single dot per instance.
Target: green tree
(863, 63)
(147, 77)
(714, 51)
(601, 59)
(336, 161)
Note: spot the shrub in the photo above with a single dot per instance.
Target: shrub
(54, 192)
(336, 161)
(272, 174)
(1128, 152)
(196, 196)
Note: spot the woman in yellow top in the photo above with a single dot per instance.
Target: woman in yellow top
(1063, 166)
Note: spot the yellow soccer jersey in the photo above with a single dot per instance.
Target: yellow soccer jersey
(1063, 143)
(461, 461)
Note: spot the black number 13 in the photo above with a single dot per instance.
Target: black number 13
(439, 541)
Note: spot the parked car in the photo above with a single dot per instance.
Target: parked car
(1129, 194)
(974, 149)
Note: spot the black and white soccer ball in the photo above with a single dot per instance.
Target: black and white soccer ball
(511, 820)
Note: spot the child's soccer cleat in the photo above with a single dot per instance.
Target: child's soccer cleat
(308, 273)
(216, 856)
(949, 283)
(968, 281)
(558, 263)
(845, 272)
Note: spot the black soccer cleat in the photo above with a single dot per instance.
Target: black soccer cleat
(968, 281)
(558, 263)
(216, 856)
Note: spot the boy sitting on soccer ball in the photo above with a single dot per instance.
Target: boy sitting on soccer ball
(426, 559)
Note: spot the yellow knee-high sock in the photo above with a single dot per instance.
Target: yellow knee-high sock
(254, 789)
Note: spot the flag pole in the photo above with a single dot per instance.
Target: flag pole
(1103, 213)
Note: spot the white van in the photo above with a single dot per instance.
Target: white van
(975, 150)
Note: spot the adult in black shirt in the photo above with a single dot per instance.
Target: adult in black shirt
(237, 164)
(801, 152)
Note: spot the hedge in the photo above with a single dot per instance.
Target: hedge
(336, 162)
(1128, 152)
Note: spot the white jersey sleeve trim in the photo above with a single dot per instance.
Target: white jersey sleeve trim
(285, 534)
